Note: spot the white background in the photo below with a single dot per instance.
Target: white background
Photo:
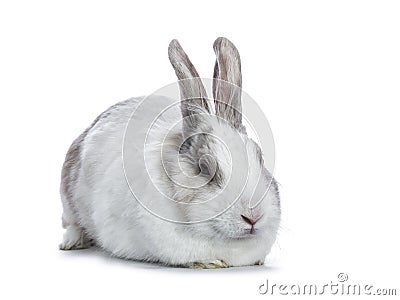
(326, 74)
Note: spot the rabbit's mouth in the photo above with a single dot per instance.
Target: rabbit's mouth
(249, 233)
(241, 234)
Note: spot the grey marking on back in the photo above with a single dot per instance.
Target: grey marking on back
(72, 163)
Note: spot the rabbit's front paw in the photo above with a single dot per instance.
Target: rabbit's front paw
(259, 263)
(214, 264)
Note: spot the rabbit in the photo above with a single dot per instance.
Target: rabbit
(189, 165)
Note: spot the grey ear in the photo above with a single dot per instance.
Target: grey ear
(193, 93)
(227, 83)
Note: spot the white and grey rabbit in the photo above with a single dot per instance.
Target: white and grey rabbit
(205, 163)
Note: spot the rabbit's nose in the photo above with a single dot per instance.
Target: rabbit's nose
(250, 221)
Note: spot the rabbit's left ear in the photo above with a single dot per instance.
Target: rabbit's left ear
(227, 83)
(193, 93)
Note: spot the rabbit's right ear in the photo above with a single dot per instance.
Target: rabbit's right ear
(227, 83)
(193, 93)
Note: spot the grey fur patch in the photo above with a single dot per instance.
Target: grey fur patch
(197, 150)
(72, 164)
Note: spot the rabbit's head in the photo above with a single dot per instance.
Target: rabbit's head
(221, 171)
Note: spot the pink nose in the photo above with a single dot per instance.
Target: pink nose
(249, 220)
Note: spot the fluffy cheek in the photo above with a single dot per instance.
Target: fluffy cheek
(225, 230)
(207, 203)
(271, 222)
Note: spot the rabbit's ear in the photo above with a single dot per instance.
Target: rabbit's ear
(227, 83)
(193, 93)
